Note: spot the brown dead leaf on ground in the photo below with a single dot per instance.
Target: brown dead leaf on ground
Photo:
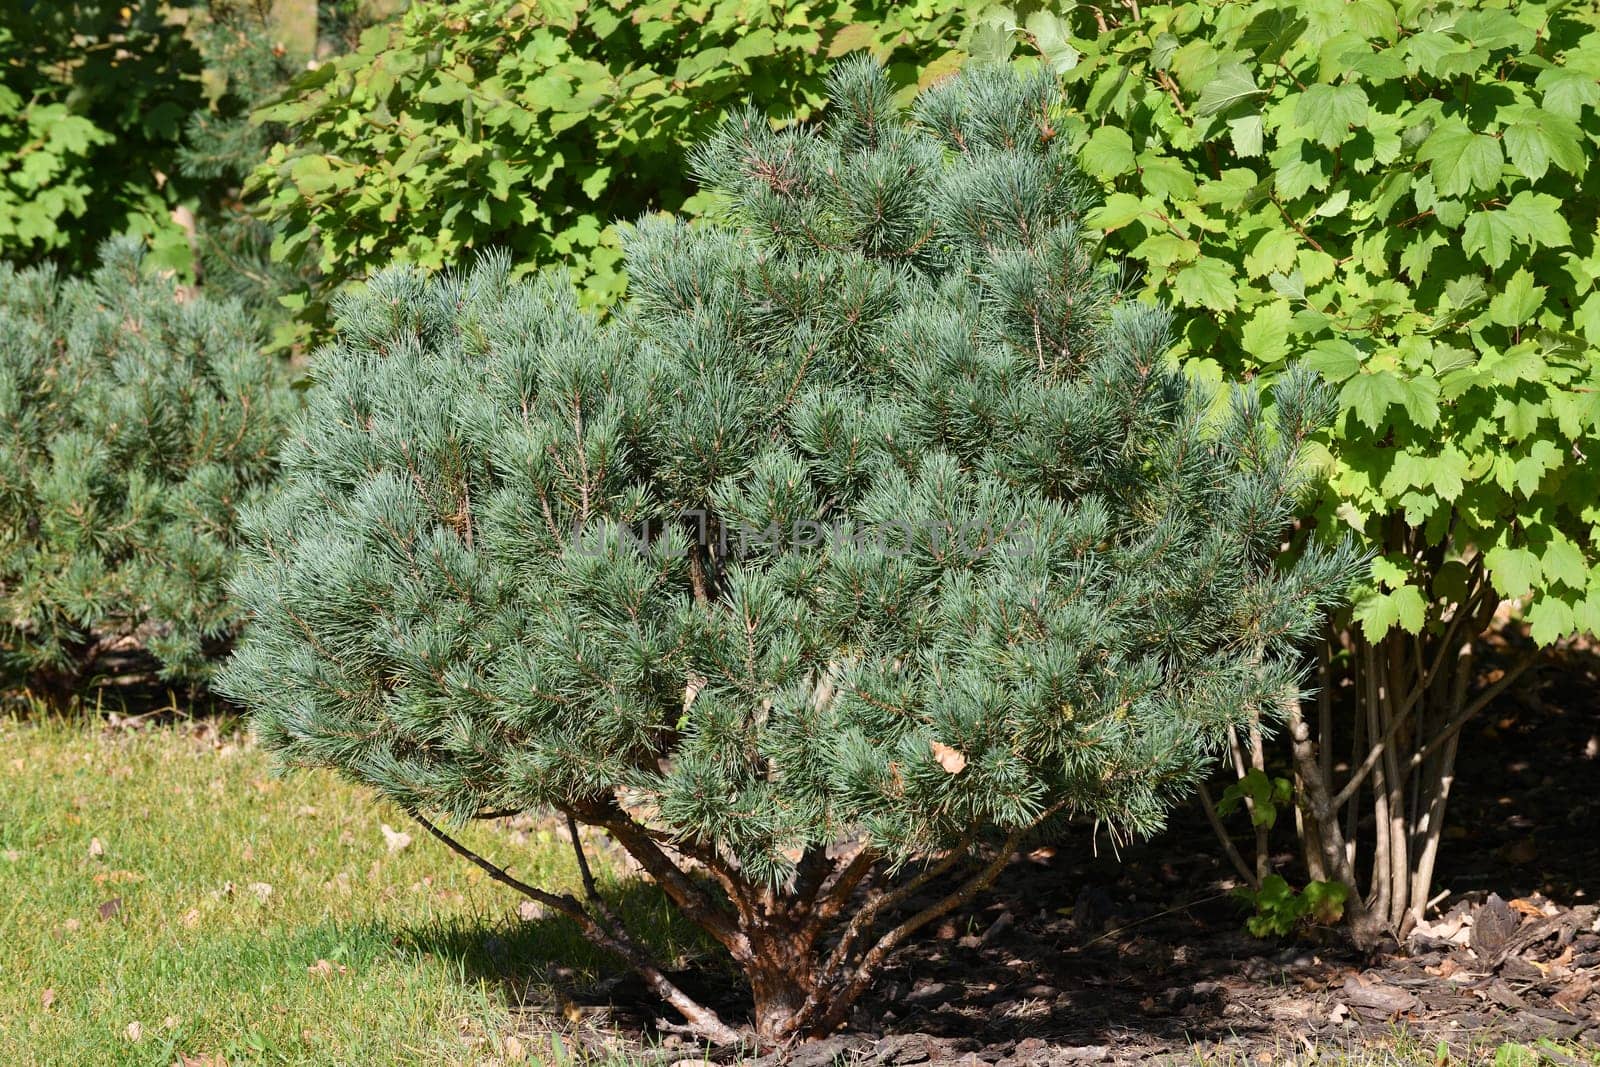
(952, 760)
(325, 969)
(47, 998)
(1447, 967)
(96, 849)
(397, 840)
(110, 909)
(203, 1059)
(1530, 908)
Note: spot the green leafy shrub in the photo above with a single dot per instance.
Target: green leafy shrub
(868, 536)
(533, 126)
(1400, 193)
(1402, 196)
(93, 98)
(1279, 909)
(133, 427)
(250, 56)
(245, 64)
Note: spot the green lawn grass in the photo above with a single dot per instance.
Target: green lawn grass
(164, 894)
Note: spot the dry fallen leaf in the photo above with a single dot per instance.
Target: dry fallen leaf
(697, 682)
(11, 855)
(117, 877)
(951, 760)
(261, 890)
(1528, 907)
(530, 911)
(396, 839)
(515, 1053)
(96, 849)
(1447, 967)
(170, 1022)
(110, 909)
(191, 918)
(47, 998)
(135, 1030)
(204, 1059)
(324, 969)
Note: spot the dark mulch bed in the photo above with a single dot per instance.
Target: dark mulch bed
(1077, 958)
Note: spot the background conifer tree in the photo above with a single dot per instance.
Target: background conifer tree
(133, 427)
(869, 537)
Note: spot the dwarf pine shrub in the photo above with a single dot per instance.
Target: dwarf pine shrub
(868, 537)
(133, 427)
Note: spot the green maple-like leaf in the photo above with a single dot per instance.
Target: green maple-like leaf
(1206, 283)
(1461, 159)
(1329, 111)
(1536, 138)
(1233, 83)
(1489, 235)
(1369, 396)
(1514, 570)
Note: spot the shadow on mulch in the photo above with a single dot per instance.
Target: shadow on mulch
(1142, 956)
(1525, 810)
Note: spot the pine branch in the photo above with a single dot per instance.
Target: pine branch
(689, 897)
(855, 983)
(703, 1020)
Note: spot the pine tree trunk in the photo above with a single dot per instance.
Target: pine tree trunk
(783, 980)
(779, 997)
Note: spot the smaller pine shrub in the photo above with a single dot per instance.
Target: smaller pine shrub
(133, 426)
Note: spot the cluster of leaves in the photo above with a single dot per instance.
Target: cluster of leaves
(252, 53)
(133, 427)
(1263, 797)
(1279, 909)
(533, 125)
(93, 98)
(245, 64)
(1404, 194)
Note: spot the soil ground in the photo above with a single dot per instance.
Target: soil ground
(1078, 958)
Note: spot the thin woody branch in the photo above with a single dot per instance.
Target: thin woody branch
(704, 1021)
(858, 979)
